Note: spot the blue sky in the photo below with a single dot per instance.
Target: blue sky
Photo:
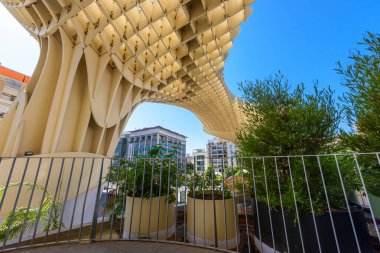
(302, 38)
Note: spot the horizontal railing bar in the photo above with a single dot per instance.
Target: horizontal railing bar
(314, 155)
(56, 157)
(189, 158)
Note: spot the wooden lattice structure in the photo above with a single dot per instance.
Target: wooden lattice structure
(100, 58)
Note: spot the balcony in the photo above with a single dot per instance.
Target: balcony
(261, 204)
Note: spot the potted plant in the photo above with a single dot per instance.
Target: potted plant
(369, 166)
(211, 213)
(299, 201)
(146, 188)
(371, 176)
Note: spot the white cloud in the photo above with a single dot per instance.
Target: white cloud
(18, 49)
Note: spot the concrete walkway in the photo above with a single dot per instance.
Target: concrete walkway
(117, 247)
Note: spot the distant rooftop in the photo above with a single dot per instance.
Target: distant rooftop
(14, 74)
(216, 139)
(155, 127)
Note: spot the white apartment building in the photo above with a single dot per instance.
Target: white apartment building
(220, 153)
(142, 140)
(122, 146)
(199, 159)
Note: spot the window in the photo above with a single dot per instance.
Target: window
(182, 197)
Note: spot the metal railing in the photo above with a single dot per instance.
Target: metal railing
(310, 203)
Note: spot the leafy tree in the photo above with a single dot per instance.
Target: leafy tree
(282, 122)
(362, 106)
(285, 122)
(362, 100)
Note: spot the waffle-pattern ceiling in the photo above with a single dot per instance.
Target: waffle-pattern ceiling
(170, 51)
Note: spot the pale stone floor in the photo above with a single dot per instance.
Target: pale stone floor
(144, 246)
(118, 247)
(129, 246)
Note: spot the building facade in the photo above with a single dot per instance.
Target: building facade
(121, 150)
(11, 84)
(199, 159)
(220, 153)
(142, 140)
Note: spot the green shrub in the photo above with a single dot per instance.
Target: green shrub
(283, 122)
(362, 107)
